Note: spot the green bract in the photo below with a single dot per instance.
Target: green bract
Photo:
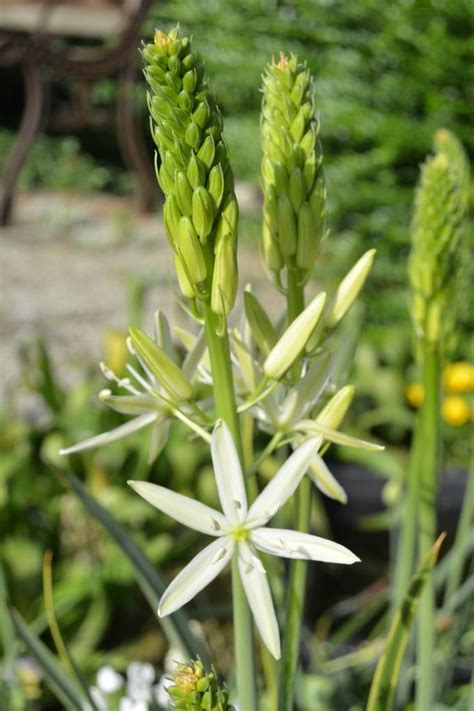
(195, 175)
(295, 193)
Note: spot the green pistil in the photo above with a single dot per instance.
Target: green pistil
(240, 534)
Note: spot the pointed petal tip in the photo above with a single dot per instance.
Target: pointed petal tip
(63, 451)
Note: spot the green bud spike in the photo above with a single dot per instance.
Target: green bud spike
(203, 213)
(225, 277)
(262, 328)
(435, 259)
(286, 227)
(446, 142)
(191, 254)
(168, 374)
(187, 128)
(215, 185)
(291, 165)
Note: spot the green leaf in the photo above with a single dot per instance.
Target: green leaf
(386, 675)
(175, 627)
(60, 682)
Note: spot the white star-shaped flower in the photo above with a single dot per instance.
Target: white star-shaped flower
(241, 531)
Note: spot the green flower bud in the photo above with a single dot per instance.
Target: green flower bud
(334, 411)
(195, 172)
(203, 213)
(207, 152)
(185, 285)
(291, 343)
(183, 193)
(296, 189)
(350, 286)
(215, 184)
(201, 115)
(228, 222)
(168, 374)
(185, 100)
(225, 276)
(271, 251)
(191, 253)
(286, 227)
(171, 217)
(262, 328)
(190, 81)
(192, 136)
(308, 242)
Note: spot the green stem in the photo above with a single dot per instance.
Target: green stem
(298, 568)
(224, 397)
(407, 539)
(428, 465)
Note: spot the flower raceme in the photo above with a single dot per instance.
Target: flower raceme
(200, 211)
(241, 531)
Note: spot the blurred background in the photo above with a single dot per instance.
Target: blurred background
(83, 255)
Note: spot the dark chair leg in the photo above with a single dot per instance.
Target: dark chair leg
(29, 129)
(131, 142)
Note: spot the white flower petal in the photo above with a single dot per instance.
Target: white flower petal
(284, 483)
(190, 513)
(196, 575)
(194, 355)
(303, 546)
(229, 478)
(159, 437)
(118, 433)
(257, 590)
(325, 481)
(131, 404)
(313, 427)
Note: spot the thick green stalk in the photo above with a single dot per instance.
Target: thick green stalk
(407, 539)
(298, 568)
(224, 397)
(428, 465)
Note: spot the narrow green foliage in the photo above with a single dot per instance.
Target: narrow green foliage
(294, 190)
(388, 668)
(195, 174)
(195, 689)
(59, 681)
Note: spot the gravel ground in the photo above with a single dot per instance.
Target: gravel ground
(66, 265)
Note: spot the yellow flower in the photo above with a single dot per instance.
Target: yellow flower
(459, 377)
(415, 394)
(455, 411)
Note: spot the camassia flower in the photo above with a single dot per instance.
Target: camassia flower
(241, 531)
(153, 397)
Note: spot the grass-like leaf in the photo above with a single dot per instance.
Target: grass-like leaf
(59, 681)
(386, 675)
(175, 627)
